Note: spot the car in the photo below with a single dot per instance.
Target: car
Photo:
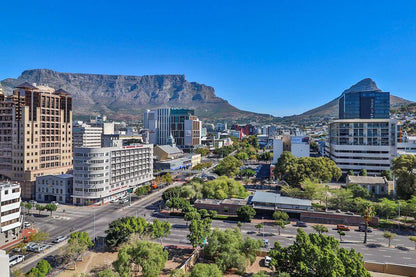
(267, 261)
(13, 260)
(55, 203)
(338, 211)
(349, 213)
(266, 243)
(33, 247)
(342, 227)
(301, 224)
(361, 228)
(26, 224)
(59, 239)
(114, 200)
(33, 202)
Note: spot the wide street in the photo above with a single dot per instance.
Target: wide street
(97, 218)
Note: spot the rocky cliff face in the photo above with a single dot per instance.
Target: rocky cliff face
(127, 96)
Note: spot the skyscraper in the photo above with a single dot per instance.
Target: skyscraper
(35, 134)
(364, 101)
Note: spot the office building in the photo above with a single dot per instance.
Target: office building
(298, 145)
(85, 135)
(355, 144)
(57, 188)
(364, 101)
(102, 174)
(10, 213)
(35, 135)
(166, 124)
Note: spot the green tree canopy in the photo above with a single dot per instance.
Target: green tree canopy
(229, 166)
(204, 270)
(358, 191)
(199, 230)
(246, 213)
(159, 229)
(51, 208)
(120, 230)
(44, 267)
(141, 256)
(228, 249)
(404, 168)
(317, 255)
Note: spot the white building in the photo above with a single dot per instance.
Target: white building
(355, 144)
(10, 213)
(298, 145)
(57, 188)
(102, 174)
(85, 135)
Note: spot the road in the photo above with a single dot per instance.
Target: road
(82, 219)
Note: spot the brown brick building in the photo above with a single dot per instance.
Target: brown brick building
(35, 135)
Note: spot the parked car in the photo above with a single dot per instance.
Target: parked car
(343, 227)
(33, 202)
(33, 247)
(13, 260)
(267, 261)
(59, 239)
(266, 243)
(361, 228)
(26, 224)
(301, 224)
(55, 203)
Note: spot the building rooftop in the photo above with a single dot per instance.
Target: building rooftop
(169, 149)
(370, 180)
(275, 198)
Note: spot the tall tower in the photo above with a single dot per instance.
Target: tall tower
(36, 134)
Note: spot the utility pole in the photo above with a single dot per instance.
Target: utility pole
(94, 230)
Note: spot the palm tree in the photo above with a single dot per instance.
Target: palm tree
(367, 213)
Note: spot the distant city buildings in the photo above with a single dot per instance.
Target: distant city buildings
(102, 174)
(10, 211)
(84, 135)
(173, 126)
(35, 134)
(58, 188)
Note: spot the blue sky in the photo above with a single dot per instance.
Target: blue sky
(277, 57)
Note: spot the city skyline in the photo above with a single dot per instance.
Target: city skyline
(251, 55)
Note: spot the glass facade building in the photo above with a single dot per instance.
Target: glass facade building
(364, 105)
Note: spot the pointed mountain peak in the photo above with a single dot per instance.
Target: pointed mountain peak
(366, 84)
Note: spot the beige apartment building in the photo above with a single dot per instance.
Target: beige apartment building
(35, 135)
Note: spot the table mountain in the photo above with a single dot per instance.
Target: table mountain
(125, 97)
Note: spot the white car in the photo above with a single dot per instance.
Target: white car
(59, 239)
(26, 224)
(267, 261)
(55, 203)
(13, 260)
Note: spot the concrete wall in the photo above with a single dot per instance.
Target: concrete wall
(401, 270)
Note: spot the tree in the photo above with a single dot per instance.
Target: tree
(203, 151)
(28, 207)
(367, 213)
(44, 267)
(229, 166)
(403, 169)
(192, 215)
(246, 213)
(363, 172)
(143, 190)
(167, 178)
(387, 173)
(317, 255)
(386, 207)
(39, 236)
(222, 188)
(228, 249)
(51, 207)
(341, 234)
(39, 207)
(350, 173)
(388, 235)
(120, 230)
(248, 172)
(319, 228)
(203, 270)
(141, 256)
(261, 274)
(107, 273)
(35, 272)
(17, 272)
(259, 227)
(78, 243)
(159, 229)
(242, 156)
(414, 240)
(199, 229)
(280, 219)
(358, 191)
(174, 192)
(239, 225)
(341, 198)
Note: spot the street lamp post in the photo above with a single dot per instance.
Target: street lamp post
(399, 215)
(262, 223)
(94, 229)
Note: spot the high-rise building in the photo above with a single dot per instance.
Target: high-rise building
(102, 174)
(35, 134)
(364, 101)
(180, 124)
(85, 135)
(9, 213)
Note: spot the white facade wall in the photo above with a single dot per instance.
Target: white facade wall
(300, 150)
(87, 136)
(277, 149)
(10, 212)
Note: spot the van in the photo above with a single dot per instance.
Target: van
(13, 260)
